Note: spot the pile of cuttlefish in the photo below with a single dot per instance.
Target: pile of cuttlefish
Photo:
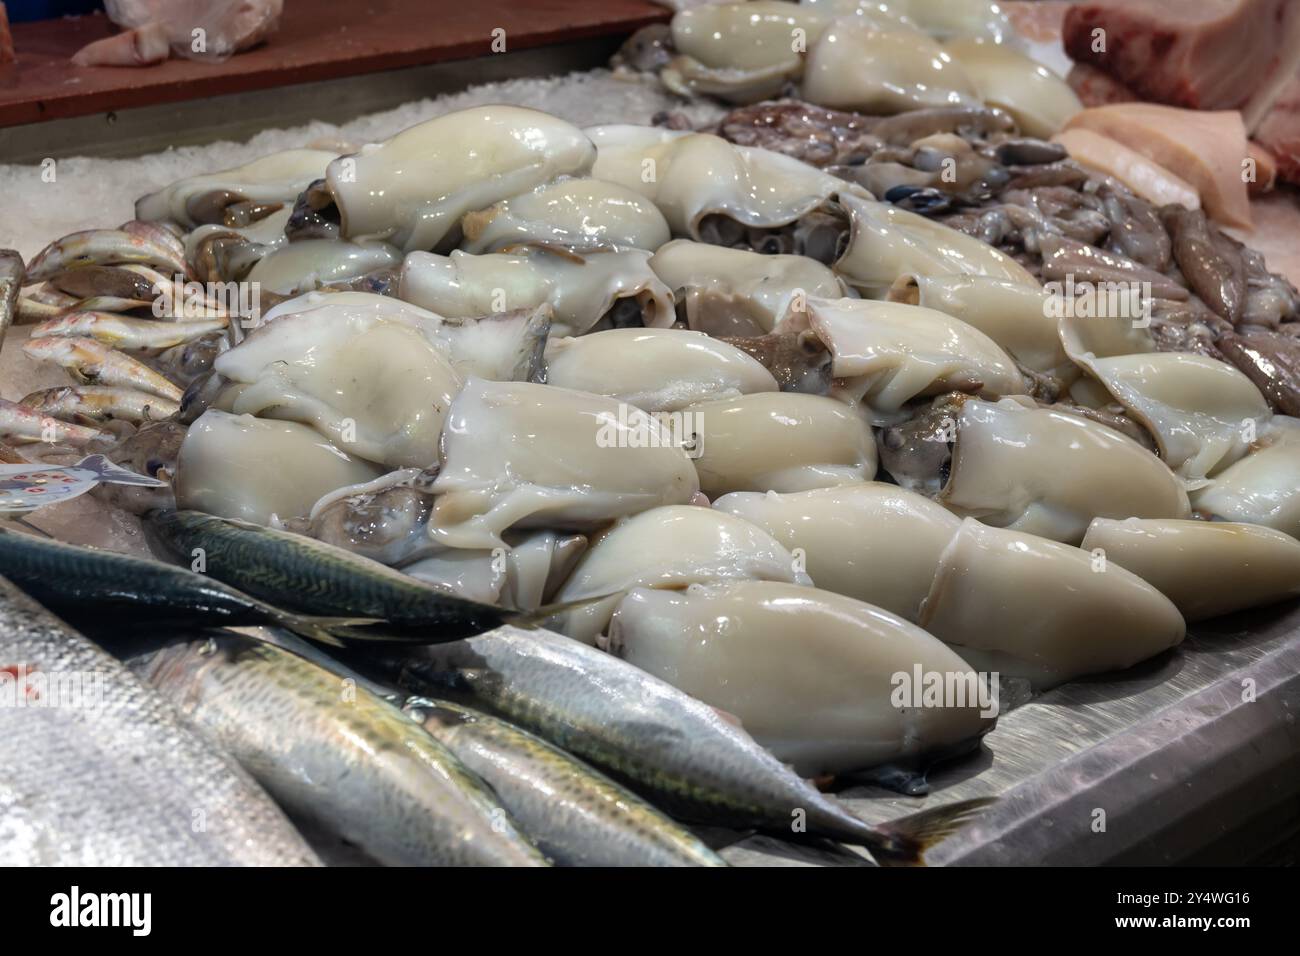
(712, 409)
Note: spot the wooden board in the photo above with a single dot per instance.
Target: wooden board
(317, 40)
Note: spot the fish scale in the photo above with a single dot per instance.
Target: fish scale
(349, 761)
(104, 587)
(674, 749)
(577, 814)
(123, 783)
(313, 577)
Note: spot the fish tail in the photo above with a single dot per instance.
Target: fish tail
(903, 842)
(533, 619)
(116, 474)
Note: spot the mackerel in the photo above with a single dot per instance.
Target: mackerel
(334, 753)
(310, 576)
(100, 586)
(678, 752)
(577, 815)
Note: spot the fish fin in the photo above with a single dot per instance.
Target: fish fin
(323, 630)
(717, 837)
(533, 619)
(908, 838)
(378, 630)
(115, 474)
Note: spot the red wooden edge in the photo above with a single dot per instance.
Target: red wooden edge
(317, 40)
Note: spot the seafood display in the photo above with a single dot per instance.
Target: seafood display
(525, 493)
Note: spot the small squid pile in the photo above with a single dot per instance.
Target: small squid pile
(771, 412)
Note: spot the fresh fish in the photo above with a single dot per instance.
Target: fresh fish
(47, 294)
(679, 752)
(577, 815)
(99, 403)
(101, 247)
(127, 333)
(108, 303)
(331, 751)
(156, 233)
(89, 281)
(86, 584)
(21, 422)
(313, 577)
(94, 363)
(11, 284)
(112, 777)
(30, 309)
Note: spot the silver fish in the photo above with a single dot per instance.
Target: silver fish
(100, 771)
(577, 815)
(332, 751)
(677, 751)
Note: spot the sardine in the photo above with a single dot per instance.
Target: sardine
(333, 752)
(90, 585)
(312, 577)
(577, 815)
(99, 403)
(127, 333)
(94, 363)
(11, 285)
(21, 422)
(102, 247)
(675, 750)
(111, 776)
